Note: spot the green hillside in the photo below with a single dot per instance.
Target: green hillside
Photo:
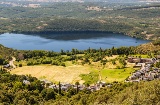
(14, 91)
(142, 23)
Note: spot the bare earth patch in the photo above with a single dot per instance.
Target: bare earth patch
(112, 57)
(68, 74)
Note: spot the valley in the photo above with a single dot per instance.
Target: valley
(57, 78)
(79, 52)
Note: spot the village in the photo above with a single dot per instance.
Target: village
(67, 86)
(145, 73)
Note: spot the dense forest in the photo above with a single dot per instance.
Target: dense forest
(142, 23)
(36, 57)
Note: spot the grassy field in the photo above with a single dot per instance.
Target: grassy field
(141, 55)
(110, 75)
(68, 74)
(81, 73)
(71, 74)
(107, 75)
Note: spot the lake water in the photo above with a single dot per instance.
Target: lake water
(67, 41)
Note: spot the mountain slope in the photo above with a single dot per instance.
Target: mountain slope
(110, 1)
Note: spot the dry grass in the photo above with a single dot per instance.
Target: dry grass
(112, 57)
(149, 47)
(68, 74)
(71, 73)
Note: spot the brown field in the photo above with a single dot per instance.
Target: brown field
(68, 74)
(71, 73)
(112, 57)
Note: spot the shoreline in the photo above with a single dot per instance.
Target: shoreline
(72, 32)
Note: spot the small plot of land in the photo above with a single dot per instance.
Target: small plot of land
(140, 55)
(110, 75)
(107, 75)
(112, 57)
(68, 74)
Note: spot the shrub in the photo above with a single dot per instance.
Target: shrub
(20, 65)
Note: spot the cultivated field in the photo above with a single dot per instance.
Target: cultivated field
(111, 75)
(68, 74)
(72, 72)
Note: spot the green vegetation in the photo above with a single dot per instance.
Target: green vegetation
(107, 75)
(111, 75)
(90, 78)
(102, 63)
(112, 67)
(62, 17)
(156, 42)
(6, 54)
(14, 91)
(91, 60)
(142, 93)
(110, 62)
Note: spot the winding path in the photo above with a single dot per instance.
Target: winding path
(11, 62)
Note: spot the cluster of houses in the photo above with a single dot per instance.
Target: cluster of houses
(67, 86)
(146, 73)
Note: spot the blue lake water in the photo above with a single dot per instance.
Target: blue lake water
(58, 41)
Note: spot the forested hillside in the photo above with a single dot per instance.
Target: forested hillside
(6, 54)
(15, 91)
(142, 23)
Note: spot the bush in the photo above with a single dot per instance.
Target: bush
(156, 42)
(20, 65)
(46, 61)
(30, 64)
(63, 64)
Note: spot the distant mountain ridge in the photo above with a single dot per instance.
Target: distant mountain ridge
(110, 1)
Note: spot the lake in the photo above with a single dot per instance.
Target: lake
(67, 41)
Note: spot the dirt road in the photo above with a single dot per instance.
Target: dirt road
(11, 62)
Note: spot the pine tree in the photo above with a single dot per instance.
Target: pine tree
(59, 90)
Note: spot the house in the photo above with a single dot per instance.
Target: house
(46, 83)
(53, 86)
(101, 83)
(133, 60)
(64, 88)
(146, 60)
(6, 66)
(137, 74)
(145, 79)
(150, 77)
(133, 77)
(26, 82)
(137, 65)
(136, 80)
(139, 60)
(109, 85)
(68, 85)
(93, 88)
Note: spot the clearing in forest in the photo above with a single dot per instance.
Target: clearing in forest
(68, 74)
